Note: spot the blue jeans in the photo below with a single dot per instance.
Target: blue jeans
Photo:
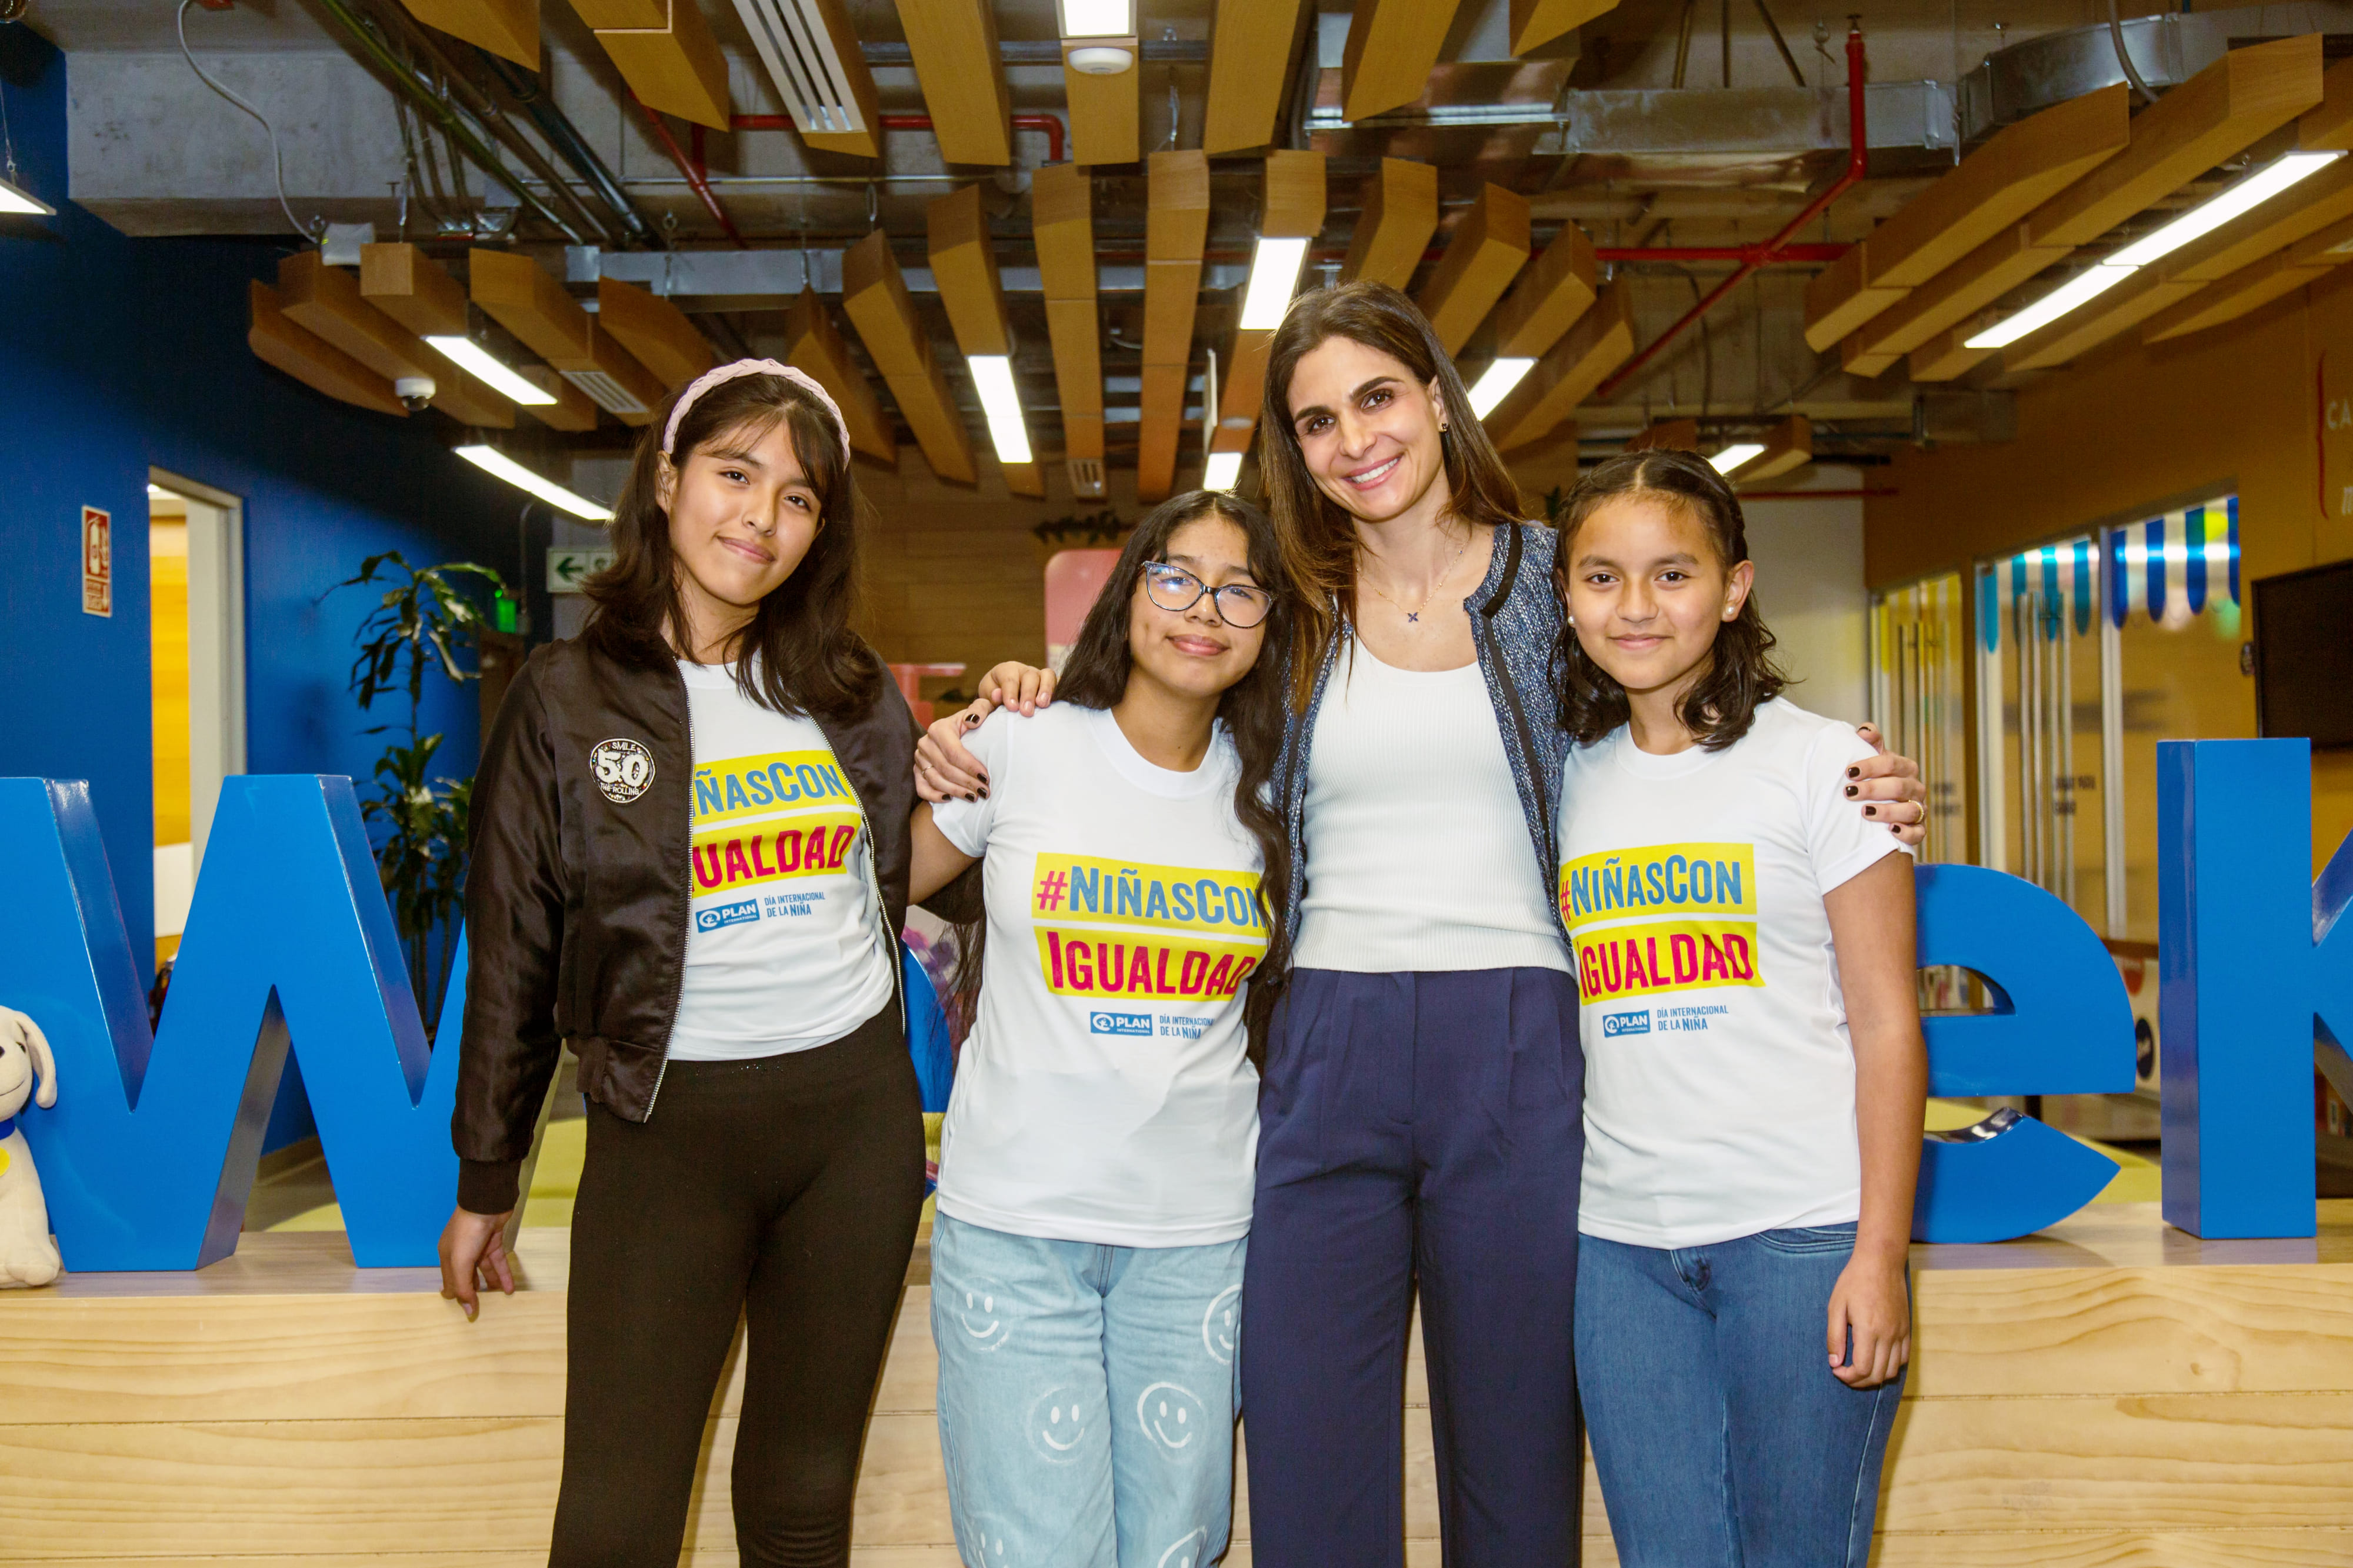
(1086, 1398)
(1721, 1438)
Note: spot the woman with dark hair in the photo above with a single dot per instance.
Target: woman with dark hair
(1420, 1116)
(1094, 1200)
(1745, 957)
(689, 864)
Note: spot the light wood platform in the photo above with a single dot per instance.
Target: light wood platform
(2110, 1395)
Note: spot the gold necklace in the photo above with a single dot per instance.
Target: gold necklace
(1414, 615)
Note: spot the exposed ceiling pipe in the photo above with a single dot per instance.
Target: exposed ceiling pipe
(1858, 159)
(403, 81)
(1788, 253)
(1051, 125)
(688, 167)
(564, 137)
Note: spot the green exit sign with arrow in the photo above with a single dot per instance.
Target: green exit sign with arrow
(569, 565)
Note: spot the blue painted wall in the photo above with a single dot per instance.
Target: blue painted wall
(122, 354)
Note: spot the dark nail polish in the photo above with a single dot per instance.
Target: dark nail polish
(1851, 791)
(984, 794)
(1870, 811)
(1854, 773)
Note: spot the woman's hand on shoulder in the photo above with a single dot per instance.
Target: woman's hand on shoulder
(944, 769)
(1017, 685)
(1890, 790)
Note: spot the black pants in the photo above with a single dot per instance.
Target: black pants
(787, 1189)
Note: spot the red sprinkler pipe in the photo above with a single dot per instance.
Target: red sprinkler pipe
(1049, 124)
(1858, 156)
(693, 170)
(1720, 253)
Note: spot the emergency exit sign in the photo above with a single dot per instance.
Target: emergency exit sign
(569, 565)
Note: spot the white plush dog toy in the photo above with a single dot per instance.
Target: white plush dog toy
(27, 1256)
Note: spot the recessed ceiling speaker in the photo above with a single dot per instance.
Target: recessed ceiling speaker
(798, 49)
(1100, 59)
(1087, 477)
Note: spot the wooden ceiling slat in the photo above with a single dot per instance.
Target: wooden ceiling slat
(278, 341)
(954, 44)
(875, 296)
(2002, 263)
(1106, 112)
(674, 65)
(1293, 208)
(1789, 447)
(814, 344)
(1665, 435)
(1549, 297)
(572, 411)
(326, 301)
(2248, 289)
(1400, 214)
(1250, 44)
(1175, 229)
(1061, 219)
(413, 289)
(1843, 297)
(606, 360)
(1392, 47)
(1602, 339)
(523, 298)
(1242, 394)
(1488, 249)
(963, 265)
(656, 333)
(2122, 308)
(1534, 22)
(1946, 357)
(508, 29)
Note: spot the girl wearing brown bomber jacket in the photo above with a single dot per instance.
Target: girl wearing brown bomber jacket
(690, 863)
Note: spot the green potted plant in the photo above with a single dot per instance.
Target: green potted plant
(425, 620)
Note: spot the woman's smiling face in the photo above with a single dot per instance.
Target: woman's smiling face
(743, 514)
(1368, 429)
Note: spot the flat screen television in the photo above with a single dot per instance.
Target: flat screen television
(2303, 655)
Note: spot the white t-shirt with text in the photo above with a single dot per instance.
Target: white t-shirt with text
(1105, 1094)
(1719, 1096)
(783, 948)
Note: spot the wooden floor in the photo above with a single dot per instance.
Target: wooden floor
(2111, 1393)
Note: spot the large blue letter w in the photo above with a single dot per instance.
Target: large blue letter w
(150, 1152)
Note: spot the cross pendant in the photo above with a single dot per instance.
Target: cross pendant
(1413, 615)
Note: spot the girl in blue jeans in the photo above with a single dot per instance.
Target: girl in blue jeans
(1754, 1066)
(1097, 1158)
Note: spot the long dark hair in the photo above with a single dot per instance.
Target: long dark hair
(1741, 673)
(1319, 537)
(1095, 675)
(797, 654)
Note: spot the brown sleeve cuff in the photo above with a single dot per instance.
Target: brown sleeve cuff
(488, 1186)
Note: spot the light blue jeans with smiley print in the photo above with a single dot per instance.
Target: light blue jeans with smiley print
(1086, 1398)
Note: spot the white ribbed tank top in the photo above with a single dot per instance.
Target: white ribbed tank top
(1416, 854)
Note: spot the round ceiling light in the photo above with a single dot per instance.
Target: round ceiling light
(1100, 59)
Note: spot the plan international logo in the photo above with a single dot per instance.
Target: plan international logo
(1616, 1024)
(1120, 1024)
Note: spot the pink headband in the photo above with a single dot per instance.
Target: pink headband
(711, 378)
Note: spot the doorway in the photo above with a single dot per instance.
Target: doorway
(197, 563)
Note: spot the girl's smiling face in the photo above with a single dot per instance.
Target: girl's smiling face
(743, 514)
(1647, 591)
(1366, 429)
(1196, 652)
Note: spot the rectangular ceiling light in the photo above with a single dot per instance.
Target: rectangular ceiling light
(2204, 218)
(2213, 213)
(1224, 468)
(490, 460)
(2082, 288)
(1097, 18)
(992, 377)
(17, 199)
(1738, 455)
(1274, 273)
(1496, 385)
(471, 356)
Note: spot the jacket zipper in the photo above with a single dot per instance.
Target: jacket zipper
(686, 921)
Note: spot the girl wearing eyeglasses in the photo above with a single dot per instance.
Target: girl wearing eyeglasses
(1098, 1152)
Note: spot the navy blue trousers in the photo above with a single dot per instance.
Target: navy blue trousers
(1416, 1129)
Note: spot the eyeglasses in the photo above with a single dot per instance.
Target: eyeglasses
(1176, 590)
